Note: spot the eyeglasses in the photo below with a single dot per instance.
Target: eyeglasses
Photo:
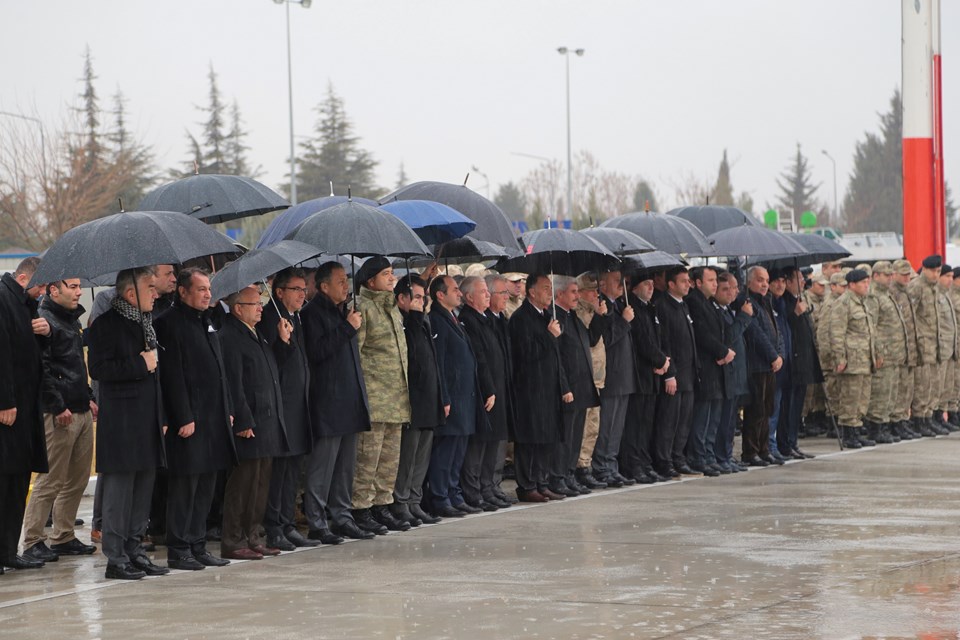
(297, 289)
(251, 304)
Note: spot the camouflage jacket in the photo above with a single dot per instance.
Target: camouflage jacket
(598, 352)
(947, 338)
(823, 338)
(891, 334)
(383, 356)
(923, 298)
(852, 334)
(814, 304)
(899, 294)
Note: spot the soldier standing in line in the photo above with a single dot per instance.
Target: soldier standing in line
(953, 403)
(838, 286)
(892, 347)
(900, 416)
(922, 292)
(947, 339)
(815, 403)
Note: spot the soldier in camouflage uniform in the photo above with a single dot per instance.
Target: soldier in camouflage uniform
(815, 403)
(953, 405)
(922, 292)
(948, 348)
(838, 286)
(903, 273)
(383, 359)
(853, 351)
(891, 338)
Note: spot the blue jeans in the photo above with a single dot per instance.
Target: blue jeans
(703, 433)
(775, 420)
(792, 414)
(723, 443)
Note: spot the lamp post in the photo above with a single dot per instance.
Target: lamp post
(565, 52)
(39, 123)
(836, 208)
(293, 158)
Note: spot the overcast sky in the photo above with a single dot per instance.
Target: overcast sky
(443, 85)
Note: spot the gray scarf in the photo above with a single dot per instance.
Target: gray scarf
(130, 312)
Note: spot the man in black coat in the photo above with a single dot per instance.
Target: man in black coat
(200, 444)
(735, 387)
(22, 444)
(575, 342)
(713, 354)
(338, 407)
(289, 293)
(499, 323)
(675, 404)
(541, 390)
(805, 365)
(131, 424)
(258, 425)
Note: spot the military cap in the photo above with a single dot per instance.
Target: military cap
(846, 270)
(883, 267)
(932, 262)
(903, 267)
(453, 270)
(475, 269)
(371, 267)
(838, 278)
(945, 269)
(820, 279)
(863, 266)
(956, 272)
(515, 277)
(856, 276)
(588, 281)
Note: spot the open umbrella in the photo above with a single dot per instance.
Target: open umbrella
(755, 242)
(669, 234)
(469, 250)
(652, 261)
(492, 224)
(433, 222)
(817, 249)
(711, 218)
(258, 265)
(620, 241)
(287, 221)
(214, 198)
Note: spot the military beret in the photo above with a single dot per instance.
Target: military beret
(806, 271)
(838, 278)
(884, 267)
(863, 266)
(945, 269)
(856, 276)
(932, 262)
(371, 267)
(903, 267)
(956, 272)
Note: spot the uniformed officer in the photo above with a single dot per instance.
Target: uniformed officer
(838, 286)
(947, 340)
(891, 338)
(903, 273)
(922, 292)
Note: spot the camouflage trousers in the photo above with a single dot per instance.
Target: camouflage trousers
(883, 394)
(926, 390)
(815, 400)
(831, 392)
(378, 458)
(901, 408)
(591, 429)
(853, 398)
(950, 390)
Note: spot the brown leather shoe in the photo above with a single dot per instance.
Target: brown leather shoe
(266, 551)
(242, 554)
(532, 496)
(552, 495)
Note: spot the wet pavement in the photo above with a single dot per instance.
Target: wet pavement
(849, 545)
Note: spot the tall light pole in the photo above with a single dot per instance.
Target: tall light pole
(565, 52)
(293, 158)
(836, 208)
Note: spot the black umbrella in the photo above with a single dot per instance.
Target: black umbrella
(214, 198)
(257, 265)
(620, 241)
(712, 218)
(469, 250)
(652, 261)
(669, 234)
(755, 242)
(818, 249)
(492, 224)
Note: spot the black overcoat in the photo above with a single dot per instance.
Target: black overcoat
(574, 342)
(23, 446)
(708, 335)
(194, 382)
(131, 418)
(459, 381)
(294, 376)
(538, 375)
(735, 379)
(764, 342)
(806, 365)
(255, 391)
(423, 376)
(501, 329)
(618, 342)
(647, 343)
(338, 395)
(678, 342)
(493, 370)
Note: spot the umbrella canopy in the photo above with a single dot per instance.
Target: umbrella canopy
(818, 249)
(357, 229)
(258, 265)
(469, 250)
(128, 240)
(652, 261)
(492, 224)
(433, 222)
(620, 241)
(560, 251)
(712, 218)
(669, 234)
(755, 242)
(283, 224)
(214, 198)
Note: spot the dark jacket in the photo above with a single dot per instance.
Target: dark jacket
(459, 380)
(131, 419)
(618, 342)
(194, 382)
(23, 446)
(647, 344)
(65, 382)
(575, 341)
(538, 376)
(711, 346)
(423, 377)
(338, 395)
(735, 380)
(805, 363)
(500, 325)
(493, 370)
(679, 342)
(294, 377)
(783, 327)
(764, 342)
(255, 390)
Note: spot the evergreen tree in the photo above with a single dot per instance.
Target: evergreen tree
(90, 112)
(334, 155)
(796, 188)
(402, 178)
(510, 199)
(723, 190)
(953, 220)
(644, 195)
(236, 147)
(135, 160)
(745, 202)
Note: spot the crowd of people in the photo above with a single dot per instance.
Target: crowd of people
(374, 404)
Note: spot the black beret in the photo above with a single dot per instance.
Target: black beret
(956, 272)
(856, 275)
(776, 274)
(370, 268)
(932, 262)
(945, 269)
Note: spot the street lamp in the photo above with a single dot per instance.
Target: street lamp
(836, 209)
(39, 123)
(293, 159)
(565, 52)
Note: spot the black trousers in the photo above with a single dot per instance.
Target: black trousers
(126, 510)
(329, 486)
(188, 503)
(637, 439)
(13, 501)
(157, 524)
(532, 464)
(282, 497)
(673, 428)
(756, 415)
(215, 516)
(415, 447)
(567, 452)
(478, 474)
(446, 463)
(791, 414)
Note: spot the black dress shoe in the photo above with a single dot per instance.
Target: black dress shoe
(685, 470)
(214, 534)
(280, 542)
(446, 511)
(800, 453)
(207, 559)
(143, 563)
(381, 513)
(505, 497)
(348, 529)
(402, 512)
(610, 481)
(770, 458)
(488, 506)
(721, 469)
(325, 536)
(297, 540)
(417, 512)
(587, 479)
(365, 521)
(21, 562)
(466, 508)
(563, 490)
(497, 502)
(185, 563)
(627, 482)
(123, 572)
(73, 548)
(710, 472)
(41, 553)
(756, 461)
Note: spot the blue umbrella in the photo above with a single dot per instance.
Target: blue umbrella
(433, 222)
(287, 221)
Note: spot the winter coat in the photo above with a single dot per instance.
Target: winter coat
(426, 403)
(618, 341)
(784, 376)
(735, 380)
(805, 364)
(647, 342)
(65, 381)
(679, 343)
(294, 376)
(575, 341)
(459, 381)
(492, 370)
(764, 342)
(710, 343)
(383, 356)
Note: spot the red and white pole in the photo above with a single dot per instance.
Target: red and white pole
(923, 223)
(939, 181)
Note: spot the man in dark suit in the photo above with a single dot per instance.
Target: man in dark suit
(541, 390)
(735, 387)
(258, 425)
(806, 369)
(338, 407)
(131, 424)
(289, 290)
(197, 402)
(22, 443)
(497, 313)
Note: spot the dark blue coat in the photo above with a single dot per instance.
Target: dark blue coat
(621, 360)
(294, 376)
(764, 343)
(783, 326)
(459, 382)
(735, 380)
(711, 346)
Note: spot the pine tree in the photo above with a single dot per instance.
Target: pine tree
(723, 190)
(644, 195)
(402, 178)
(236, 149)
(90, 112)
(510, 199)
(796, 188)
(134, 159)
(953, 220)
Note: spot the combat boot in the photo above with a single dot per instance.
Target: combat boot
(954, 418)
(922, 427)
(949, 423)
(877, 434)
(861, 434)
(849, 438)
(935, 426)
(887, 429)
(904, 431)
